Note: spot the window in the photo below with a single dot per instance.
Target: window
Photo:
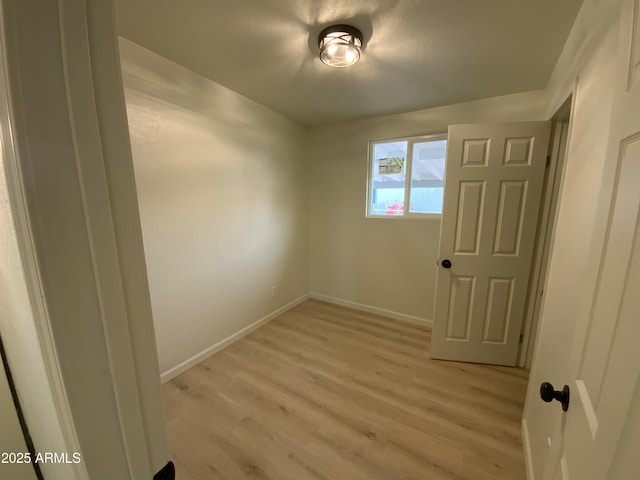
(406, 171)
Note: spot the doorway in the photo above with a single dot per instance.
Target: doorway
(546, 226)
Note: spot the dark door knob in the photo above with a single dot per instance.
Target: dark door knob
(446, 263)
(548, 393)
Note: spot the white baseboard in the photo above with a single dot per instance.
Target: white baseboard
(526, 446)
(369, 309)
(190, 362)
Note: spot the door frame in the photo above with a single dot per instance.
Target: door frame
(558, 147)
(78, 234)
(28, 340)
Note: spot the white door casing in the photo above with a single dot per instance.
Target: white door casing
(493, 185)
(75, 199)
(600, 437)
(540, 263)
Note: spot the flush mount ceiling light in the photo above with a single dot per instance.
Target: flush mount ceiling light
(340, 45)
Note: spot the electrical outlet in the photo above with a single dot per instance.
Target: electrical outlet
(274, 290)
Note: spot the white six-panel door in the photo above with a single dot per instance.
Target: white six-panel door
(493, 186)
(604, 421)
(601, 432)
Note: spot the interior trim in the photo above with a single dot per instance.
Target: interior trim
(526, 447)
(199, 357)
(424, 322)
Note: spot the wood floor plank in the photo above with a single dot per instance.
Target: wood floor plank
(325, 392)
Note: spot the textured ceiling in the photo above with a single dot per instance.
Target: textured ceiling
(417, 54)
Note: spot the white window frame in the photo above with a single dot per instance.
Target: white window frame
(407, 181)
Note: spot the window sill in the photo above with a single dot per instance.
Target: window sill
(419, 216)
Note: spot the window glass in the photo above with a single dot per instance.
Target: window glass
(389, 165)
(407, 170)
(427, 176)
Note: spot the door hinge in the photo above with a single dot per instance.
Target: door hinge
(521, 337)
(548, 161)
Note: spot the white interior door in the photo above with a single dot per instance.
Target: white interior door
(603, 424)
(493, 185)
(12, 444)
(601, 434)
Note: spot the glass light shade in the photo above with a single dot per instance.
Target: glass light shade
(340, 45)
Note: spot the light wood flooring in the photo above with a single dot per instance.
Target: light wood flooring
(326, 392)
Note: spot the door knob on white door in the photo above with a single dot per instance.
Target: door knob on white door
(446, 263)
(548, 394)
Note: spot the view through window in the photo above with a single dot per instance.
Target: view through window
(406, 172)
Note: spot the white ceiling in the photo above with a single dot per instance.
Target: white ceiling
(417, 54)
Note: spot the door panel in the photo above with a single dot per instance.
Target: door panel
(475, 153)
(601, 438)
(470, 212)
(518, 152)
(613, 272)
(510, 215)
(490, 211)
(460, 309)
(629, 464)
(604, 416)
(498, 310)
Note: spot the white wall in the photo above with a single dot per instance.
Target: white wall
(589, 67)
(222, 188)
(387, 264)
(12, 439)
